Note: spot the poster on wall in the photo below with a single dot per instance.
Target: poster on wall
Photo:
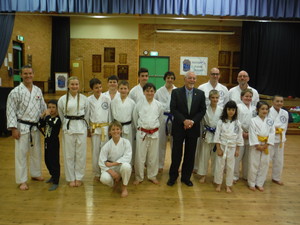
(61, 81)
(198, 65)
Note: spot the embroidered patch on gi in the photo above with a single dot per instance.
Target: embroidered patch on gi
(283, 119)
(104, 105)
(254, 114)
(221, 93)
(270, 122)
(236, 129)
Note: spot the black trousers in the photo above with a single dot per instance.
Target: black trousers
(52, 159)
(188, 158)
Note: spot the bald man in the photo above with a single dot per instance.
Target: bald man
(235, 92)
(213, 84)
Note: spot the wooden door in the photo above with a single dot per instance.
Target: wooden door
(77, 70)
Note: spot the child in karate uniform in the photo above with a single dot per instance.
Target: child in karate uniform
(100, 117)
(114, 159)
(207, 146)
(261, 135)
(246, 111)
(228, 139)
(281, 118)
(73, 110)
(147, 116)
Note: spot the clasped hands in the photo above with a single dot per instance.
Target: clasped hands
(188, 124)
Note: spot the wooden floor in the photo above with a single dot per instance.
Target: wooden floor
(147, 203)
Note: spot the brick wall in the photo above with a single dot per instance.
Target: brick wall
(36, 31)
(84, 49)
(176, 45)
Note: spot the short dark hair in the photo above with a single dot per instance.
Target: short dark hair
(276, 96)
(149, 85)
(94, 81)
(142, 70)
(168, 74)
(260, 104)
(52, 101)
(113, 77)
(229, 105)
(26, 67)
(124, 82)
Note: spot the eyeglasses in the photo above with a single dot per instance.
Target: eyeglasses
(214, 74)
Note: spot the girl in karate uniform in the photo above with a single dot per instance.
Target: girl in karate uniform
(246, 111)
(261, 135)
(73, 110)
(228, 139)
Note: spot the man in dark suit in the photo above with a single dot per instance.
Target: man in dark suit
(188, 108)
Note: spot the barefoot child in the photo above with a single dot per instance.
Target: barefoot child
(100, 117)
(261, 135)
(114, 160)
(228, 138)
(210, 120)
(246, 111)
(73, 110)
(281, 118)
(147, 116)
(51, 121)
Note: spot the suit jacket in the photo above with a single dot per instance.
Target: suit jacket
(179, 109)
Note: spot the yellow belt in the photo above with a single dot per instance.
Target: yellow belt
(264, 139)
(279, 131)
(101, 125)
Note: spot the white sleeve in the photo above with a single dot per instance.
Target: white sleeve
(126, 158)
(218, 132)
(103, 156)
(253, 139)
(11, 110)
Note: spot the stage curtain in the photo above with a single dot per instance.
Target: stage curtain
(6, 28)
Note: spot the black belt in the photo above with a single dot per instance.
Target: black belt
(75, 118)
(32, 124)
(126, 123)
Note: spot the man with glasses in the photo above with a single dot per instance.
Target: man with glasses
(235, 92)
(213, 84)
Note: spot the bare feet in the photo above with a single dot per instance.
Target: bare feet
(228, 189)
(23, 187)
(260, 188)
(78, 183)
(154, 181)
(72, 184)
(277, 182)
(160, 170)
(235, 181)
(124, 192)
(218, 188)
(202, 179)
(252, 188)
(38, 178)
(136, 182)
(195, 171)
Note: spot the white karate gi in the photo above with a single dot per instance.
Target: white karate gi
(259, 161)
(229, 135)
(100, 112)
(245, 115)
(207, 144)
(281, 119)
(121, 153)
(137, 93)
(122, 112)
(223, 92)
(74, 138)
(235, 95)
(108, 95)
(28, 106)
(164, 97)
(147, 116)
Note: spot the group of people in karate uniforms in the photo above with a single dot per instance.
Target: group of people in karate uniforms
(112, 159)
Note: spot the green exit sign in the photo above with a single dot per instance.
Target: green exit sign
(20, 38)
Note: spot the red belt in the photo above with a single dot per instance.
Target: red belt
(148, 131)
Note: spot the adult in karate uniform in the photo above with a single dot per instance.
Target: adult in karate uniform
(25, 104)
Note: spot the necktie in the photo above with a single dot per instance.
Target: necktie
(189, 101)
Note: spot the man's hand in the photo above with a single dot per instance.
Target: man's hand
(188, 124)
(16, 133)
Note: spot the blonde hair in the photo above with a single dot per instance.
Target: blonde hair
(213, 92)
(68, 82)
(116, 124)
